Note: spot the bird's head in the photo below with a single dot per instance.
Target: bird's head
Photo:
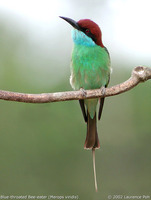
(85, 32)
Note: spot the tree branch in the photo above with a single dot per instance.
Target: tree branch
(139, 74)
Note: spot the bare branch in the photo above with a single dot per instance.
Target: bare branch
(139, 74)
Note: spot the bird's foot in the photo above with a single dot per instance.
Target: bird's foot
(84, 93)
(103, 90)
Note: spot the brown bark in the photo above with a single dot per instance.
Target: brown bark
(139, 74)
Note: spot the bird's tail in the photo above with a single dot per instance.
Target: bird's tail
(94, 169)
(92, 140)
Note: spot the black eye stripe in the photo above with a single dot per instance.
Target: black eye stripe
(89, 34)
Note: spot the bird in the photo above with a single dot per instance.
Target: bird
(90, 69)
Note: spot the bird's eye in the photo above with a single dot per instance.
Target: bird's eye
(87, 31)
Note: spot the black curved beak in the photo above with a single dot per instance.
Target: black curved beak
(71, 21)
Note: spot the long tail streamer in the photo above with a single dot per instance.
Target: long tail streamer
(94, 168)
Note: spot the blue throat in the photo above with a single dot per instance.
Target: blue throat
(81, 38)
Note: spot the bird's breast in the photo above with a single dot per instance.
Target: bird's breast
(89, 67)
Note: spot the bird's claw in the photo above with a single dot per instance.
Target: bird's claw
(103, 90)
(84, 93)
